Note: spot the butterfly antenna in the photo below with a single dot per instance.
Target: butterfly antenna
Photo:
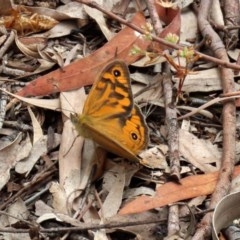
(63, 95)
(74, 140)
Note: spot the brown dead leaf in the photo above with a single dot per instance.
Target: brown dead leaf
(100, 19)
(30, 46)
(204, 81)
(114, 183)
(52, 104)
(172, 19)
(201, 153)
(170, 192)
(38, 149)
(41, 208)
(73, 10)
(62, 29)
(59, 15)
(37, 130)
(189, 28)
(84, 71)
(155, 157)
(11, 154)
(59, 198)
(20, 212)
(71, 143)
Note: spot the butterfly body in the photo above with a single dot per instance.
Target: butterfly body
(110, 117)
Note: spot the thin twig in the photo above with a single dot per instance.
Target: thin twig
(3, 104)
(157, 39)
(90, 226)
(208, 104)
(7, 44)
(171, 124)
(229, 122)
(42, 178)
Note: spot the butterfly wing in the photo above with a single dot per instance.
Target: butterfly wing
(110, 116)
(111, 95)
(109, 139)
(124, 139)
(135, 131)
